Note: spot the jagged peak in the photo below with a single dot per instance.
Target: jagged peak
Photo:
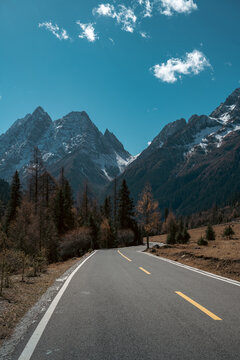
(231, 103)
(169, 130)
(109, 134)
(39, 111)
(113, 140)
(234, 98)
(81, 113)
(78, 116)
(236, 92)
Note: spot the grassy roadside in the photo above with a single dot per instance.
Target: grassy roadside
(21, 296)
(221, 257)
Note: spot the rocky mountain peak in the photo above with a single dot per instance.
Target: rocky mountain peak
(73, 142)
(231, 106)
(79, 121)
(198, 123)
(112, 140)
(234, 98)
(168, 131)
(39, 111)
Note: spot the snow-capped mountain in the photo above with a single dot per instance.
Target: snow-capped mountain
(193, 164)
(72, 142)
(190, 164)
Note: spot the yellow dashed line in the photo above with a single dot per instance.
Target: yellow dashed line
(200, 307)
(125, 257)
(146, 272)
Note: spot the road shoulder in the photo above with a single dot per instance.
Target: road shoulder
(33, 316)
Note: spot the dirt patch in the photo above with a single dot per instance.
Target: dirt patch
(21, 296)
(221, 257)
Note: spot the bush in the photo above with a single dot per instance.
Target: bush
(125, 237)
(76, 243)
(210, 233)
(171, 238)
(180, 237)
(202, 242)
(228, 232)
(11, 262)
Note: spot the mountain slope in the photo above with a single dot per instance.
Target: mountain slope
(193, 164)
(72, 142)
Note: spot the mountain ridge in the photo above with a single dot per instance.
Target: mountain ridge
(185, 163)
(181, 162)
(73, 139)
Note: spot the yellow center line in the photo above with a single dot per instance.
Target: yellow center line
(200, 307)
(125, 257)
(146, 272)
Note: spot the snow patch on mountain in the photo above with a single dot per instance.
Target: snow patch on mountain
(225, 117)
(74, 136)
(106, 174)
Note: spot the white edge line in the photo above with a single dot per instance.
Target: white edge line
(34, 339)
(202, 272)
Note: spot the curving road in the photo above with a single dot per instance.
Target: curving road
(128, 305)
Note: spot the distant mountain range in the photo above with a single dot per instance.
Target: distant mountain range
(190, 165)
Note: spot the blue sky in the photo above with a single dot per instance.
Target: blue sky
(91, 55)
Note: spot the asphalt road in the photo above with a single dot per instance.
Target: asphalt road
(128, 305)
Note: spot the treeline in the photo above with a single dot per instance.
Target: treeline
(4, 196)
(215, 215)
(43, 224)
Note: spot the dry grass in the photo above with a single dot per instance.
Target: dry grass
(21, 296)
(221, 256)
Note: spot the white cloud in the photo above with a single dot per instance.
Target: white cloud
(149, 143)
(128, 17)
(148, 7)
(193, 63)
(105, 10)
(88, 32)
(112, 41)
(123, 15)
(168, 7)
(144, 34)
(61, 34)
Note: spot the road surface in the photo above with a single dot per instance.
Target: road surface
(124, 304)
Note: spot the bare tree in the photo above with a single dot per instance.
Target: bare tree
(147, 210)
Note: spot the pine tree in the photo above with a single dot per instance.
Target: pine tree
(36, 170)
(186, 236)
(115, 204)
(166, 213)
(84, 207)
(125, 207)
(172, 229)
(68, 206)
(228, 232)
(147, 209)
(107, 208)
(63, 207)
(15, 200)
(210, 233)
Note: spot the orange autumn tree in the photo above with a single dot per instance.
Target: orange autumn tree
(147, 210)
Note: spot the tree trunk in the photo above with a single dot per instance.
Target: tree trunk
(2, 274)
(23, 268)
(147, 241)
